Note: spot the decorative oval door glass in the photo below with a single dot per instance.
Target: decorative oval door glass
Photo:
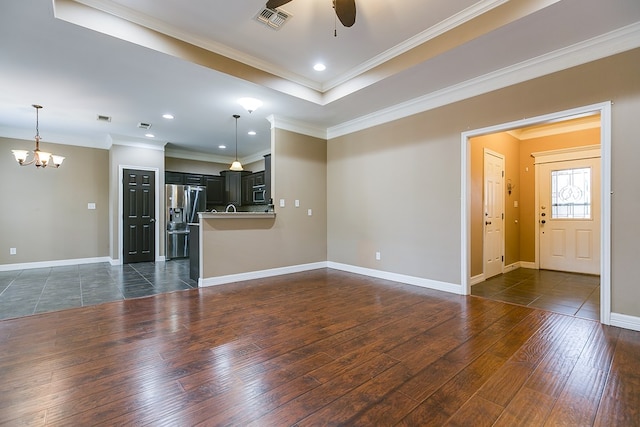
(571, 193)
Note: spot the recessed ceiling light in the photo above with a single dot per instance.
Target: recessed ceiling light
(319, 67)
(222, 147)
(149, 135)
(252, 132)
(168, 116)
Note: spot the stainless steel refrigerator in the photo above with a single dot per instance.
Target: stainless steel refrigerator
(183, 204)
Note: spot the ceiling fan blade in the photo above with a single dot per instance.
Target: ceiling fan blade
(346, 11)
(272, 4)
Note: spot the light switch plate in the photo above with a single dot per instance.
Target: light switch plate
(297, 203)
(309, 212)
(282, 203)
(91, 205)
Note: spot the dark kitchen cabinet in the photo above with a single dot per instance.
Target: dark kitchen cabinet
(267, 177)
(258, 178)
(174, 178)
(182, 178)
(193, 179)
(215, 190)
(233, 186)
(247, 190)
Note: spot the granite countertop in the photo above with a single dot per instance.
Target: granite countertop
(236, 215)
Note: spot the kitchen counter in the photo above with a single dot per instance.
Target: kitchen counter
(236, 215)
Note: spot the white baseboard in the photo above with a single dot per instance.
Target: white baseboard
(625, 321)
(56, 263)
(410, 280)
(527, 264)
(476, 279)
(221, 280)
(511, 267)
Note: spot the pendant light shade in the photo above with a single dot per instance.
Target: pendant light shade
(236, 165)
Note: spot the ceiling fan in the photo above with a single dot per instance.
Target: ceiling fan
(345, 9)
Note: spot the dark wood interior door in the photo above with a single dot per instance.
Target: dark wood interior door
(139, 216)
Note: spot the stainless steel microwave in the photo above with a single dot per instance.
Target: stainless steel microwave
(259, 194)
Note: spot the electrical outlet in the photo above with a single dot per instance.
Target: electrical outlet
(12, 251)
(297, 203)
(309, 212)
(91, 206)
(378, 256)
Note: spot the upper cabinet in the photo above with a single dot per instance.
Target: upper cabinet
(237, 187)
(233, 186)
(267, 177)
(194, 179)
(174, 177)
(215, 190)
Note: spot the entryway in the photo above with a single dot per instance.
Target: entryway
(590, 244)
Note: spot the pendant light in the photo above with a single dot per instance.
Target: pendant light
(40, 158)
(236, 166)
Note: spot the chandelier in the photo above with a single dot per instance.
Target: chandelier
(40, 158)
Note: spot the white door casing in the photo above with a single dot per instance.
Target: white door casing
(568, 188)
(493, 211)
(602, 109)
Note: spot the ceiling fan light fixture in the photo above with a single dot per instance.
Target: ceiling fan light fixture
(250, 104)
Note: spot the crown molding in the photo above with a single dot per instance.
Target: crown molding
(135, 142)
(296, 126)
(608, 44)
(193, 155)
(442, 27)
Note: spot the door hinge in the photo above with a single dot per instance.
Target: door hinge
(503, 174)
(503, 216)
(502, 258)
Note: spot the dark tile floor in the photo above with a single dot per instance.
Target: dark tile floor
(567, 293)
(25, 292)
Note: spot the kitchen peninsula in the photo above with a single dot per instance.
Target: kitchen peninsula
(215, 259)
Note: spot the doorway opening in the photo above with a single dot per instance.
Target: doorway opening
(526, 254)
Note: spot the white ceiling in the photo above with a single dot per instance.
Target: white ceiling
(80, 59)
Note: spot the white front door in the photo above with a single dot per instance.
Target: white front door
(493, 213)
(569, 215)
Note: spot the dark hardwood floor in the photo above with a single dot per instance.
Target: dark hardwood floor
(317, 348)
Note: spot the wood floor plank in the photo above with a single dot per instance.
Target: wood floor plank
(322, 347)
(621, 398)
(476, 412)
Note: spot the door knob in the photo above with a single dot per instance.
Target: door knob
(543, 222)
(152, 220)
(543, 214)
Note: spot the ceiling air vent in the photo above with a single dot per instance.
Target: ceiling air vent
(273, 18)
(102, 118)
(144, 125)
